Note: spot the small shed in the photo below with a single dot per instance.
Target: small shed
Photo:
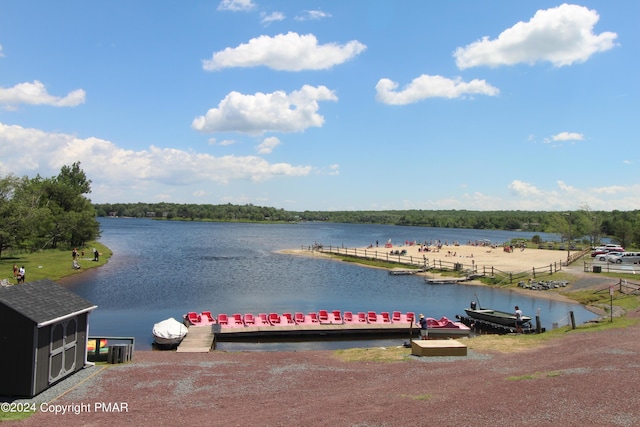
(43, 336)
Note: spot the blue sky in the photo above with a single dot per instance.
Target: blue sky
(349, 105)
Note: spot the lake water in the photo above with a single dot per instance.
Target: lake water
(162, 269)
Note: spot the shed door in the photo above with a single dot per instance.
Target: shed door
(62, 350)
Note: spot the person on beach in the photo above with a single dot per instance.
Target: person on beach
(424, 333)
(518, 314)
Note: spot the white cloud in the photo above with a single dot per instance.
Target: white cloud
(262, 112)
(564, 137)
(268, 145)
(312, 15)
(562, 35)
(427, 86)
(611, 190)
(115, 170)
(567, 197)
(524, 189)
(36, 94)
(1, 53)
(568, 136)
(285, 52)
(272, 17)
(237, 5)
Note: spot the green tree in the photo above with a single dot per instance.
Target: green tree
(73, 215)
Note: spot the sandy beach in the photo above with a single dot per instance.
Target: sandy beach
(468, 255)
(482, 256)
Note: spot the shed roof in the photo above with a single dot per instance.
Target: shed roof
(43, 301)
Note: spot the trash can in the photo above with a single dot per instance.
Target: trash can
(120, 353)
(597, 269)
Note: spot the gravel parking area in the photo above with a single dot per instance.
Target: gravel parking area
(585, 379)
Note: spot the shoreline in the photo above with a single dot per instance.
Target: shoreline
(467, 252)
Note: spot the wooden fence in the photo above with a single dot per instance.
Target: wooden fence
(424, 264)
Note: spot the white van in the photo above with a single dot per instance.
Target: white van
(626, 258)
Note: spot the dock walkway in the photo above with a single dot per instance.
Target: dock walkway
(199, 339)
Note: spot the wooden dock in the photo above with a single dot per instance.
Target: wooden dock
(307, 332)
(404, 271)
(199, 339)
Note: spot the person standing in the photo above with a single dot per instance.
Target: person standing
(15, 271)
(424, 333)
(518, 314)
(21, 274)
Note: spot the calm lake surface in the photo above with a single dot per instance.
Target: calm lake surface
(162, 269)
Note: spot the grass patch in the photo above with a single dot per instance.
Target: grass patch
(374, 354)
(589, 297)
(618, 322)
(534, 376)
(14, 416)
(508, 343)
(51, 264)
(373, 262)
(417, 396)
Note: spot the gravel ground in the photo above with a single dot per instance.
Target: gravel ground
(581, 379)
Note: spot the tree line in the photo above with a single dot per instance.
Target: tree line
(42, 213)
(583, 224)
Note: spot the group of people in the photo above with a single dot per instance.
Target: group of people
(19, 273)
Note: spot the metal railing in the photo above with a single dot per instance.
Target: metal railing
(101, 353)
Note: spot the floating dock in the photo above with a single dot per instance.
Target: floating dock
(203, 338)
(404, 271)
(320, 331)
(495, 328)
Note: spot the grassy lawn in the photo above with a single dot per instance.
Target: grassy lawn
(51, 264)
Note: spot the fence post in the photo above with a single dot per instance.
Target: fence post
(573, 320)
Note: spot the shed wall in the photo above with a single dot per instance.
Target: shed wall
(16, 353)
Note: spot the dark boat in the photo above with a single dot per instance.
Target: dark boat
(494, 316)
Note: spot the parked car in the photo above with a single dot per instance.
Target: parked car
(614, 248)
(599, 251)
(609, 256)
(626, 257)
